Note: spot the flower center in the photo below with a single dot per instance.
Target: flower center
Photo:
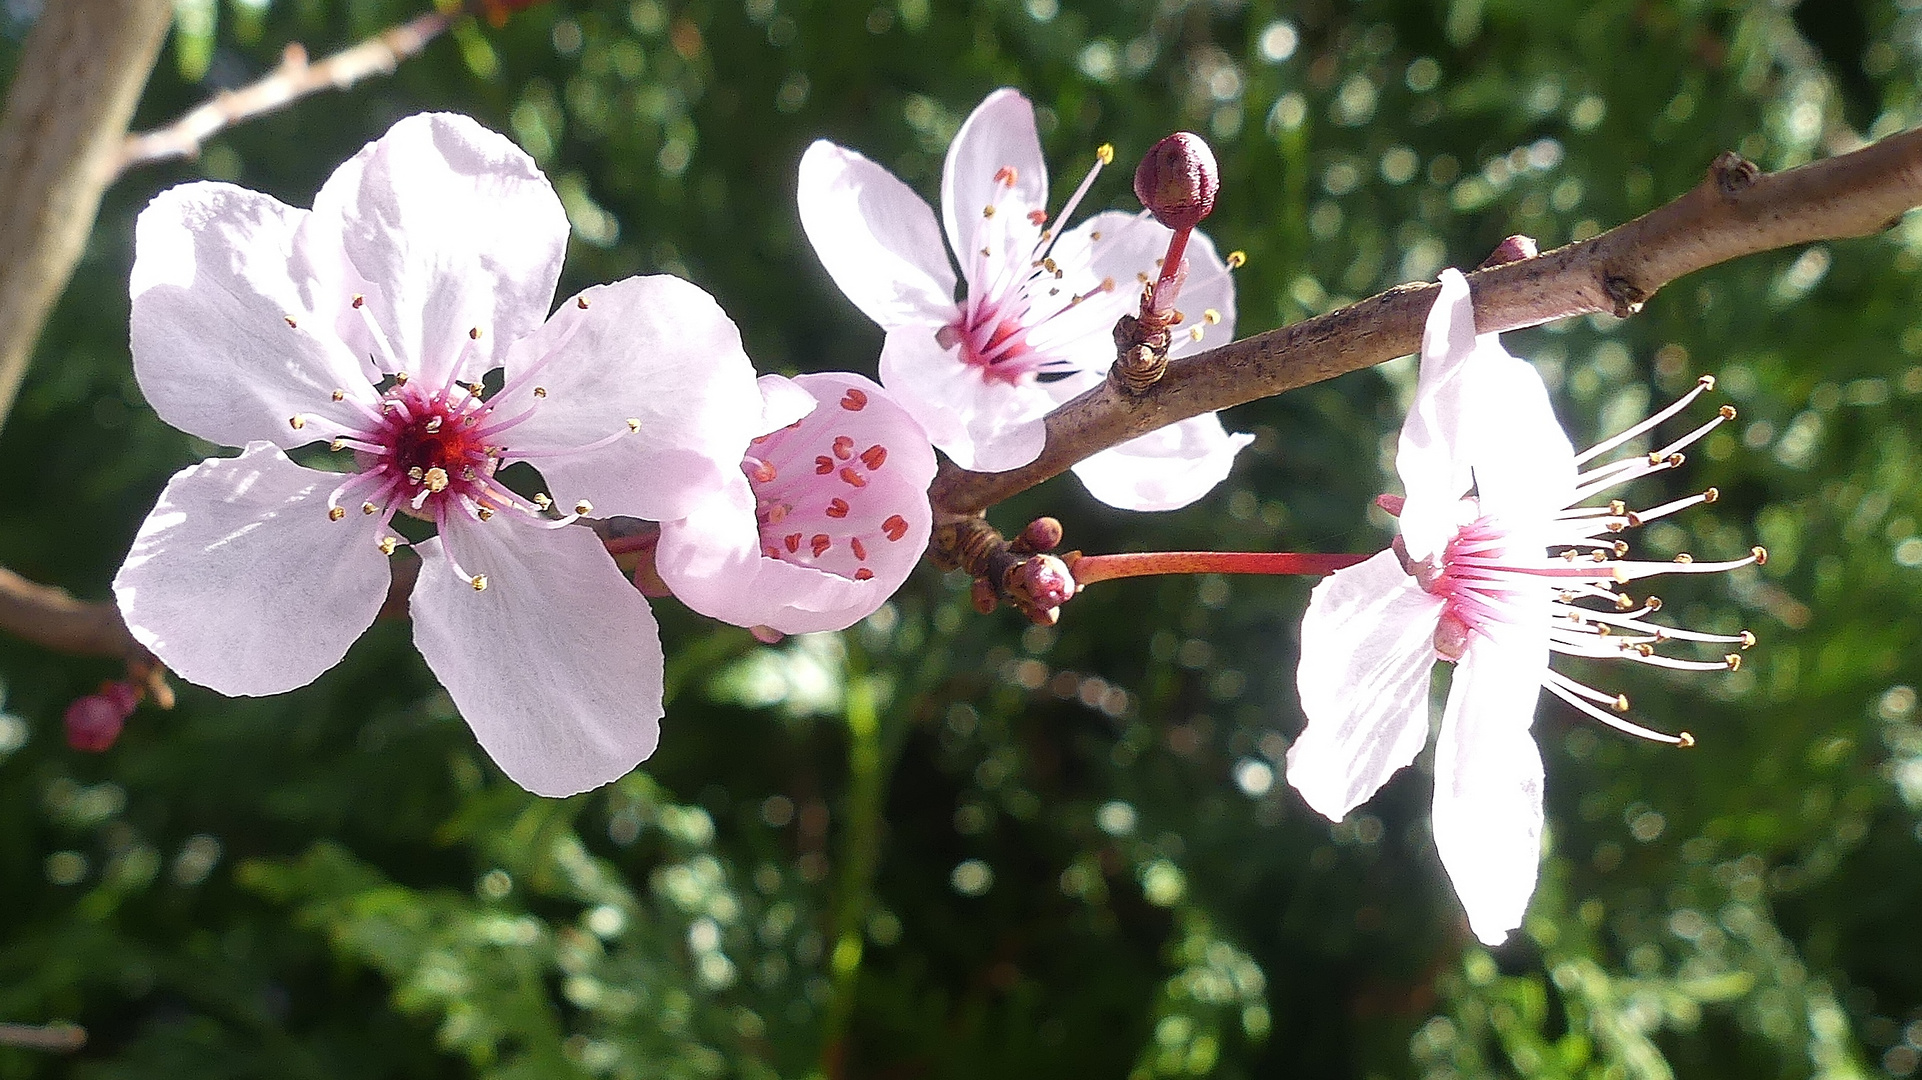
(813, 497)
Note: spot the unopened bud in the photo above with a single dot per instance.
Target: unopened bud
(94, 722)
(1177, 180)
(1042, 534)
(1041, 582)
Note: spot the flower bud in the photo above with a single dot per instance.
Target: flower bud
(1177, 180)
(93, 723)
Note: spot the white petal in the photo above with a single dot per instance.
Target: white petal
(999, 134)
(453, 228)
(1127, 249)
(1431, 458)
(556, 664)
(1488, 780)
(1523, 464)
(218, 272)
(877, 239)
(1367, 651)
(239, 581)
(783, 402)
(1165, 469)
(657, 350)
(986, 425)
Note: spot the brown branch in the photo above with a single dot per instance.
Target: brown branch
(1735, 211)
(56, 1038)
(80, 73)
(293, 79)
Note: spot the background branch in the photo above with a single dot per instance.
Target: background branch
(1736, 210)
(292, 79)
(80, 74)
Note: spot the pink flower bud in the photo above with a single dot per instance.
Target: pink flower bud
(1177, 180)
(93, 723)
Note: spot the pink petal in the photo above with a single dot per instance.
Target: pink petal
(877, 239)
(1367, 651)
(218, 272)
(556, 664)
(656, 350)
(1488, 780)
(782, 403)
(844, 497)
(453, 228)
(986, 425)
(998, 135)
(1433, 459)
(1166, 469)
(239, 581)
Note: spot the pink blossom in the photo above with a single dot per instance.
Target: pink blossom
(825, 520)
(1035, 325)
(1495, 581)
(368, 324)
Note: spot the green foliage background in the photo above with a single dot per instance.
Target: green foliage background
(943, 845)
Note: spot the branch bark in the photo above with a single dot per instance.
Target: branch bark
(293, 78)
(80, 74)
(1735, 211)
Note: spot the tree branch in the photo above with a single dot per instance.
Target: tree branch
(293, 79)
(1736, 210)
(81, 71)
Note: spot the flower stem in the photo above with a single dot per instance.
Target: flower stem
(1092, 568)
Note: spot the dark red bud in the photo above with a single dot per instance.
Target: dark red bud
(93, 723)
(1042, 534)
(1042, 582)
(1177, 180)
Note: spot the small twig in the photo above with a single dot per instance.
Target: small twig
(1734, 211)
(55, 619)
(293, 79)
(56, 1038)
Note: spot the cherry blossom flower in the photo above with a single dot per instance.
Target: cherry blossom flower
(1495, 582)
(1035, 326)
(370, 324)
(824, 522)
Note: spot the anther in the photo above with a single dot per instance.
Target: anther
(837, 508)
(473, 333)
(339, 395)
(987, 211)
(483, 513)
(860, 549)
(1734, 661)
(583, 508)
(854, 400)
(335, 514)
(1617, 507)
(1684, 740)
(416, 474)
(359, 301)
(1684, 558)
(793, 541)
(369, 509)
(467, 473)
(291, 325)
(853, 479)
(581, 302)
(863, 574)
(400, 378)
(540, 391)
(1728, 412)
(1211, 317)
(895, 527)
(1624, 602)
(296, 422)
(843, 447)
(1711, 495)
(1237, 260)
(1620, 549)
(1105, 153)
(436, 479)
(336, 444)
(633, 424)
(819, 544)
(433, 424)
(1706, 382)
(541, 500)
(386, 545)
(1654, 603)
(1621, 703)
(1761, 555)
(874, 456)
(1007, 175)
(823, 465)
(1748, 639)
(1645, 650)
(479, 582)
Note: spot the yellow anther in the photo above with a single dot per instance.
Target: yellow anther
(296, 422)
(1237, 260)
(543, 501)
(633, 424)
(479, 582)
(1748, 639)
(335, 513)
(583, 507)
(1620, 549)
(369, 509)
(336, 444)
(1621, 703)
(1684, 740)
(340, 395)
(1195, 334)
(416, 473)
(433, 424)
(400, 378)
(436, 479)
(1105, 153)
(1617, 507)
(386, 545)
(473, 333)
(1728, 412)
(1654, 603)
(291, 324)
(1211, 317)
(1706, 382)
(1623, 602)
(540, 391)
(1645, 649)
(1760, 554)
(581, 302)
(987, 211)
(1095, 235)
(483, 513)
(1684, 558)
(1734, 661)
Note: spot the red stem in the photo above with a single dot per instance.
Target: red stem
(1166, 287)
(1092, 568)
